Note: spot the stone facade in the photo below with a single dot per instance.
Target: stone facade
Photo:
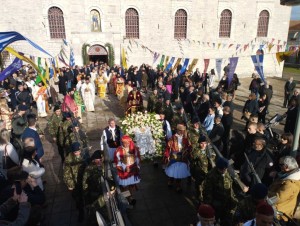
(156, 28)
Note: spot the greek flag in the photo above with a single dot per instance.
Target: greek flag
(72, 59)
(258, 61)
(9, 37)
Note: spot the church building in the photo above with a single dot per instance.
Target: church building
(180, 29)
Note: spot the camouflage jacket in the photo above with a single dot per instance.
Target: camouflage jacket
(152, 102)
(218, 190)
(73, 170)
(193, 136)
(201, 160)
(178, 119)
(54, 124)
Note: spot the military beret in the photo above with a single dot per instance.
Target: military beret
(265, 209)
(259, 191)
(56, 107)
(22, 107)
(206, 211)
(98, 154)
(222, 163)
(75, 146)
(195, 120)
(202, 139)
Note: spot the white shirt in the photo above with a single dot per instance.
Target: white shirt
(34, 170)
(11, 152)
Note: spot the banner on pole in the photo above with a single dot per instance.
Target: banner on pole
(206, 63)
(258, 61)
(192, 65)
(176, 65)
(219, 66)
(170, 64)
(185, 64)
(232, 66)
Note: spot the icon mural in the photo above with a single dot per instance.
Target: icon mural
(95, 18)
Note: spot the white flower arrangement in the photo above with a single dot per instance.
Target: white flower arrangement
(140, 120)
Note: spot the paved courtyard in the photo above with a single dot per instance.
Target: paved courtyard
(156, 204)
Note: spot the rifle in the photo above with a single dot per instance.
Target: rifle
(230, 169)
(271, 201)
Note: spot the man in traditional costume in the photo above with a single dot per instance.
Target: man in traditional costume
(101, 82)
(111, 138)
(134, 101)
(41, 98)
(127, 160)
(88, 95)
(176, 156)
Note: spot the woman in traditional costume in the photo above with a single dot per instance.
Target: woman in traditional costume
(176, 157)
(127, 160)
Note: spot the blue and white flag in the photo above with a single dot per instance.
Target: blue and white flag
(233, 61)
(72, 59)
(16, 65)
(258, 61)
(9, 37)
(65, 42)
(170, 64)
(185, 64)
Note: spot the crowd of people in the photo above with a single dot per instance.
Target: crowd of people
(196, 115)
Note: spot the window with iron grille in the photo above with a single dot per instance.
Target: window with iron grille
(180, 27)
(263, 24)
(225, 24)
(132, 23)
(56, 23)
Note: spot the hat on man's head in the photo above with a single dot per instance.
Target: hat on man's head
(22, 107)
(265, 209)
(98, 154)
(259, 191)
(202, 139)
(222, 163)
(206, 211)
(195, 120)
(179, 107)
(56, 107)
(75, 146)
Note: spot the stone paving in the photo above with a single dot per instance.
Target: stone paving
(156, 204)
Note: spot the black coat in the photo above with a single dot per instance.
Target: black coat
(216, 135)
(251, 106)
(262, 163)
(290, 121)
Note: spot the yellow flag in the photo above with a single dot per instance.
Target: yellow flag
(176, 65)
(166, 62)
(124, 62)
(24, 58)
(192, 65)
(47, 76)
(281, 56)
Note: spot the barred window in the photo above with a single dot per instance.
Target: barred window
(180, 27)
(263, 24)
(56, 23)
(132, 23)
(225, 24)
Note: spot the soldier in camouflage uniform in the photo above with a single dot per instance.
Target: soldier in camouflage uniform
(94, 188)
(55, 130)
(153, 98)
(246, 207)
(178, 118)
(168, 110)
(218, 192)
(201, 161)
(194, 133)
(73, 175)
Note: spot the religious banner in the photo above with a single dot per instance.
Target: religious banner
(206, 63)
(7, 38)
(123, 57)
(185, 64)
(15, 65)
(162, 61)
(170, 64)
(233, 61)
(192, 65)
(176, 65)
(258, 61)
(166, 62)
(219, 66)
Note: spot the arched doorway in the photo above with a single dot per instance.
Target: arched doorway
(98, 53)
